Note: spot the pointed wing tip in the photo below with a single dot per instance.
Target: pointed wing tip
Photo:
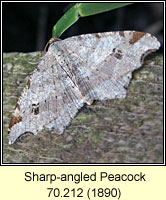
(10, 142)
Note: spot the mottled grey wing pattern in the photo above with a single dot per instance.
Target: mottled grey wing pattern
(102, 64)
(75, 71)
(50, 100)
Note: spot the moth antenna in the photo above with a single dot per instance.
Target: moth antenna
(49, 43)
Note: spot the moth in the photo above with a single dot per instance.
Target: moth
(77, 71)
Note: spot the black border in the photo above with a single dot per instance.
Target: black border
(85, 164)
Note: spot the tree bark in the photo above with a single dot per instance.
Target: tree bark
(126, 130)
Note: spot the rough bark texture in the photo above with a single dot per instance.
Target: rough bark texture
(126, 130)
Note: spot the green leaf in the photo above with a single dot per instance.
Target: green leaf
(86, 9)
(69, 18)
(82, 10)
